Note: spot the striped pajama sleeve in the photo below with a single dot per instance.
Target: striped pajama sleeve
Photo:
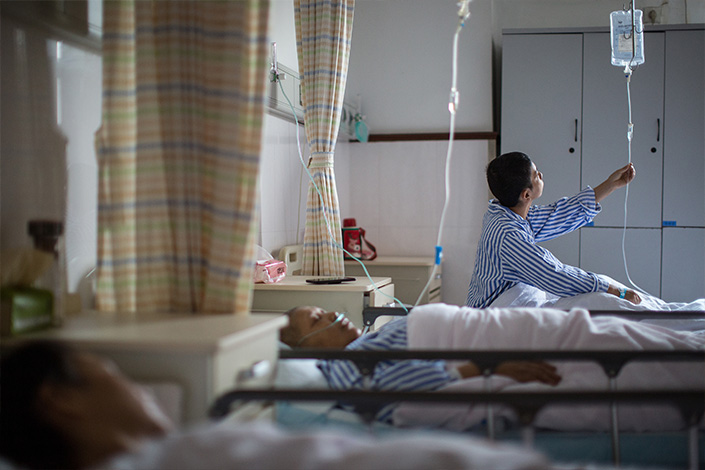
(411, 375)
(563, 216)
(507, 253)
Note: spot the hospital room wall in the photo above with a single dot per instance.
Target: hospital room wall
(284, 183)
(395, 190)
(400, 67)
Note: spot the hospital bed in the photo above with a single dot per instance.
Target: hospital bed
(685, 448)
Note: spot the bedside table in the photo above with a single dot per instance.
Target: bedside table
(409, 275)
(351, 297)
(205, 355)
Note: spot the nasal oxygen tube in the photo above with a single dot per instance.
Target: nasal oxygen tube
(627, 40)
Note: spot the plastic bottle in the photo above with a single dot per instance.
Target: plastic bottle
(48, 237)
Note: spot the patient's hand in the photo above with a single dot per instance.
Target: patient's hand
(528, 371)
(629, 294)
(632, 296)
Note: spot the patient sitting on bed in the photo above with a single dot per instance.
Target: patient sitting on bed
(61, 408)
(508, 253)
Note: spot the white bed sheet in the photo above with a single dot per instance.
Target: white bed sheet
(536, 328)
(263, 446)
(523, 295)
(449, 327)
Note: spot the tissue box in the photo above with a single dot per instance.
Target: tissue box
(25, 309)
(269, 271)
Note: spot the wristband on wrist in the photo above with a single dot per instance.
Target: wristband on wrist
(622, 293)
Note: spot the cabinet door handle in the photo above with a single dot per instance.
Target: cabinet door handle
(576, 131)
(658, 129)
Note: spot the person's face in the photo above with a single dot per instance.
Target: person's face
(316, 322)
(115, 402)
(536, 182)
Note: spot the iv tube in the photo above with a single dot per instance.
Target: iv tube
(452, 108)
(630, 134)
(637, 57)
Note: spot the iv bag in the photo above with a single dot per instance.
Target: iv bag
(627, 39)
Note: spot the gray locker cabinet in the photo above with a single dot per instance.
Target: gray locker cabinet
(683, 270)
(565, 105)
(541, 113)
(684, 144)
(601, 252)
(605, 123)
(541, 101)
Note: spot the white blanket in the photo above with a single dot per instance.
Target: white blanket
(262, 446)
(523, 295)
(439, 326)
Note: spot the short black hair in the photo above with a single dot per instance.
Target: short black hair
(26, 438)
(508, 175)
(291, 333)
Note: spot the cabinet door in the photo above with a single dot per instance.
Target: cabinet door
(541, 106)
(684, 146)
(541, 112)
(605, 123)
(601, 252)
(683, 271)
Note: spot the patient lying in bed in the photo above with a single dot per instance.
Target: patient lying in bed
(439, 326)
(60, 408)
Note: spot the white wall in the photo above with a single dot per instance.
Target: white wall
(395, 190)
(400, 64)
(284, 184)
(283, 32)
(51, 102)
(397, 196)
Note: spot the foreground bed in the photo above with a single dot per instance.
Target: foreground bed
(670, 437)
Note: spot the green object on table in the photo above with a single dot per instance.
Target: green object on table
(25, 309)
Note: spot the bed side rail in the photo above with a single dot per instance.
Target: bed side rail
(370, 314)
(525, 403)
(610, 360)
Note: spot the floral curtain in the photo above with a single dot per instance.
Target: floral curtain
(323, 33)
(178, 151)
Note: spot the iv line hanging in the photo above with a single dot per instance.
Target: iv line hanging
(627, 42)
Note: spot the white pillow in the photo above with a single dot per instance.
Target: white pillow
(299, 373)
(303, 374)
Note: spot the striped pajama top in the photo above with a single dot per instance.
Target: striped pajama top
(407, 375)
(508, 254)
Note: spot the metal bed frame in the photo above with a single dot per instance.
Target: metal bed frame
(526, 404)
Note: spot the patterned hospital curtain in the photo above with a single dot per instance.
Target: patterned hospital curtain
(178, 151)
(323, 32)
